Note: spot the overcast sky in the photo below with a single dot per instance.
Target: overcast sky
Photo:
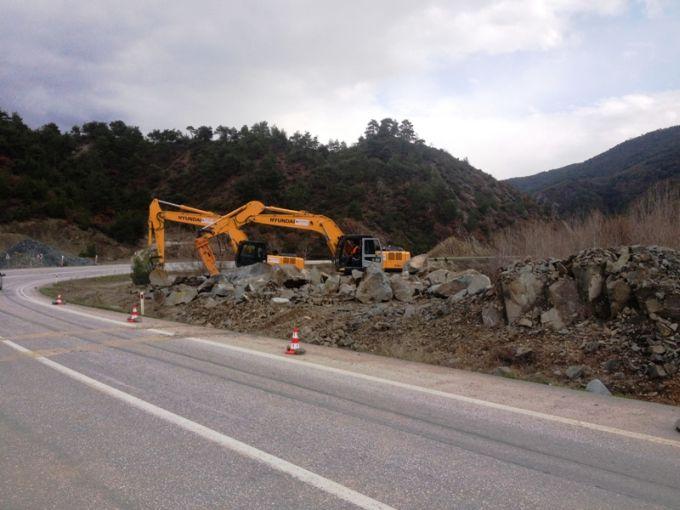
(516, 86)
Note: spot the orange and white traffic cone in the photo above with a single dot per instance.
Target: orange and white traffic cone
(58, 301)
(294, 346)
(134, 315)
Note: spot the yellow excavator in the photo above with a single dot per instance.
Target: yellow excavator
(180, 213)
(348, 251)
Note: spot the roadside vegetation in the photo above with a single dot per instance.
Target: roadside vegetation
(651, 220)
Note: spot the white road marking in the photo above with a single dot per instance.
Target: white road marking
(300, 473)
(453, 396)
(161, 332)
(444, 394)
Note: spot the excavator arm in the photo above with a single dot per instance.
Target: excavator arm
(180, 214)
(302, 220)
(230, 224)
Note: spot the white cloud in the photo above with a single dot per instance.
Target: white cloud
(523, 145)
(323, 66)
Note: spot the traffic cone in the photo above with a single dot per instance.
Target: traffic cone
(134, 315)
(58, 301)
(294, 345)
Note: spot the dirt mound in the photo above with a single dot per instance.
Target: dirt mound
(32, 253)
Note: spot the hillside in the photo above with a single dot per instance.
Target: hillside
(389, 182)
(610, 181)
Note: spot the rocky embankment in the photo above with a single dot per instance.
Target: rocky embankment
(605, 320)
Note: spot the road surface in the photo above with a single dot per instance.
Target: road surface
(97, 413)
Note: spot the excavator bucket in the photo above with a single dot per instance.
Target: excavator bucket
(158, 275)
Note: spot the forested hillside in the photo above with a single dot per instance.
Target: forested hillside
(389, 182)
(612, 180)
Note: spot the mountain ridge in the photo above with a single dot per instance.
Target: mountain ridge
(609, 181)
(389, 182)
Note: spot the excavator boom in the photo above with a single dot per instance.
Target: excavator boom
(354, 251)
(181, 214)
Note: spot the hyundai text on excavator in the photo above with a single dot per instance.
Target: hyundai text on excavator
(348, 251)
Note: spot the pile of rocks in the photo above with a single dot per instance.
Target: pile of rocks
(633, 291)
(288, 285)
(599, 319)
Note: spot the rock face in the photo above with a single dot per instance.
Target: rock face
(181, 294)
(374, 287)
(521, 292)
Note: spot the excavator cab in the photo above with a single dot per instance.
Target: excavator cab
(251, 252)
(357, 252)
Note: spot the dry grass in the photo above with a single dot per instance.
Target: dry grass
(653, 220)
(452, 246)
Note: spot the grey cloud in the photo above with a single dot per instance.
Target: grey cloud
(321, 66)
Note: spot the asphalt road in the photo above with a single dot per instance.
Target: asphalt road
(96, 413)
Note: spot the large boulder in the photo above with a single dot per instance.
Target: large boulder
(596, 386)
(618, 292)
(402, 289)
(347, 291)
(590, 279)
(289, 276)
(223, 289)
(563, 295)
(521, 292)
(331, 284)
(180, 295)
(458, 285)
(244, 273)
(416, 264)
(315, 276)
(553, 319)
(374, 287)
(492, 317)
(357, 275)
(438, 276)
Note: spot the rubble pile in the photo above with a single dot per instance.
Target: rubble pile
(288, 285)
(602, 320)
(631, 294)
